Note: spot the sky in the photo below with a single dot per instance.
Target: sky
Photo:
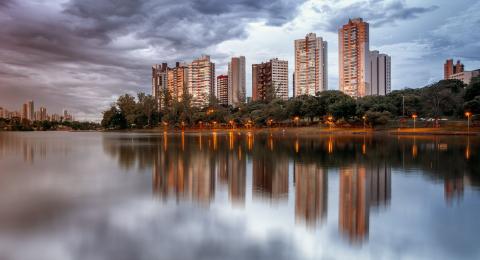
(81, 55)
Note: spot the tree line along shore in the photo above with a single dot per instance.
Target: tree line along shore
(431, 106)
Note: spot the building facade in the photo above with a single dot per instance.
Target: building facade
(201, 81)
(353, 41)
(177, 81)
(236, 81)
(449, 68)
(311, 58)
(465, 76)
(159, 82)
(380, 74)
(222, 89)
(270, 80)
(30, 111)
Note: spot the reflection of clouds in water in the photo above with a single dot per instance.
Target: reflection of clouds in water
(148, 231)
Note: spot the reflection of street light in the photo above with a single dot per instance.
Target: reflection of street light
(414, 116)
(364, 119)
(468, 115)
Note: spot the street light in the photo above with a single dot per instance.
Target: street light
(414, 116)
(231, 123)
(468, 115)
(330, 119)
(269, 122)
(296, 119)
(364, 119)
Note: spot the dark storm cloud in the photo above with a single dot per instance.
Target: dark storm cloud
(376, 12)
(118, 39)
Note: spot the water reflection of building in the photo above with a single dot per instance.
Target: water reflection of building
(360, 189)
(270, 177)
(453, 189)
(184, 175)
(237, 179)
(354, 203)
(311, 194)
(380, 185)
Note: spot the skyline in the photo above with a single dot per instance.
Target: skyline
(85, 54)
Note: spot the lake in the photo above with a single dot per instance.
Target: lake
(238, 195)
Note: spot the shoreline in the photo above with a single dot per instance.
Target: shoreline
(318, 130)
(307, 130)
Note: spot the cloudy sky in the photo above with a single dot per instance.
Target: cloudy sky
(82, 54)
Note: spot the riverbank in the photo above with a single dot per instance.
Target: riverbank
(314, 130)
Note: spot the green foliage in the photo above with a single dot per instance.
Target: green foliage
(375, 118)
(442, 99)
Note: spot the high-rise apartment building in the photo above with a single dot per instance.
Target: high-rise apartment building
(201, 80)
(43, 114)
(270, 80)
(353, 41)
(177, 81)
(222, 89)
(30, 111)
(236, 81)
(380, 74)
(25, 111)
(449, 68)
(174, 80)
(311, 74)
(159, 82)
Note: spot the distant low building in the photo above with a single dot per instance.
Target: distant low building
(465, 76)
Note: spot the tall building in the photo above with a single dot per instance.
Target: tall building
(380, 74)
(2, 112)
(25, 111)
(177, 81)
(270, 80)
(159, 82)
(311, 57)
(30, 111)
(353, 41)
(236, 81)
(43, 114)
(222, 89)
(449, 68)
(201, 80)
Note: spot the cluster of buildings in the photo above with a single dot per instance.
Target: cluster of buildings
(362, 72)
(27, 112)
(457, 71)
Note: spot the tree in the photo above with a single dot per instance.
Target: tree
(127, 106)
(473, 90)
(473, 106)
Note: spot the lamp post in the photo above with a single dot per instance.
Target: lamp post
(364, 122)
(468, 115)
(414, 116)
(296, 119)
(330, 118)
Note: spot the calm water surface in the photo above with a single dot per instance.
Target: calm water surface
(238, 196)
